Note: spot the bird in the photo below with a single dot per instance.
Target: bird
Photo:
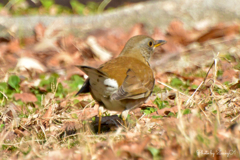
(125, 82)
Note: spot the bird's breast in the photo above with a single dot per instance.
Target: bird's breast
(117, 69)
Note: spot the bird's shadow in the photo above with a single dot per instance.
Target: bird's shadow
(108, 123)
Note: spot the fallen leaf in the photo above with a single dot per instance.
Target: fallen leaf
(100, 52)
(39, 31)
(71, 127)
(134, 147)
(165, 111)
(25, 97)
(228, 75)
(236, 85)
(47, 99)
(48, 113)
(65, 154)
(131, 150)
(30, 63)
(117, 36)
(177, 34)
(61, 59)
(18, 132)
(221, 30)
(87, 113)
(14, 46)
(68, 43)
(106, 153)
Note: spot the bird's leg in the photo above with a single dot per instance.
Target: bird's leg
(100, 111)
(124, 117)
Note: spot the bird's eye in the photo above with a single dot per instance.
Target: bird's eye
(150, 44)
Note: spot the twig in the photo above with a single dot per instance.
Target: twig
(4, 95)
(208, 72)
(181, 125)
(215, 76)
(235, 118)
(204, 113)
(194, 93)
(188, 101)
(172, 88)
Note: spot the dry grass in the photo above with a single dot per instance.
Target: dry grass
(61, 130)
(193, 112)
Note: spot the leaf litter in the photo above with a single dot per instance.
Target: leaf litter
(193, 112)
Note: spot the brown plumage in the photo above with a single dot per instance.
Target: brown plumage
(125, 82)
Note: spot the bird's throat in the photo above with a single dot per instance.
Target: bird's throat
(141, 56)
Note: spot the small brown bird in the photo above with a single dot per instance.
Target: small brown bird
(125, 82)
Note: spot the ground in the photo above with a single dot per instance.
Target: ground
(193, 112)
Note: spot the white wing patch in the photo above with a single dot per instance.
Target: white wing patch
(111, 83)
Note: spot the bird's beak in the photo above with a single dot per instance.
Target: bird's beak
(159, 43)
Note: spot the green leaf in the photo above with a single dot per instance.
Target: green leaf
(229, 57)
(200, 138)
(44, 82)
(146, 112)
(93, 6)
(75, 83)
(14, 81)
(48, 82)
(172, 114)
(149, 110)
(28, 151)
(60, 91)
(75, 101)
(77, 6)
(186, 111)
(9, 148)
(39, 97)
(200, 73)
(60, 88)
(161, 104)
(194, 86)
(215, 111)
(74, 115)
(3, 86)
(237, 66)
(154, 151)
(220, 90)
(157, 117)
(47, 3)
(219, 73)
(157, 89)
(176, 82)
(1, 126)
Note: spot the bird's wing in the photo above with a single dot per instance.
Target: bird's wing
(99, 81)
(133, 87)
